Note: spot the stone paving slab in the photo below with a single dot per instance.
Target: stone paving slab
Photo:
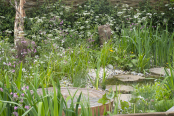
(125, 97)
(92, 95)
(159, 71)
(120, 88)
(129, 78)
(171, 109)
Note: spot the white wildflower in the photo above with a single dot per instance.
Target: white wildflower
(57, 38)
(85, 14)
(119, 13)
(23, 70)
(61, 13)
(31, 19)
(33, 36)
(2, 17)
(166, 4)
(39, 20)
(162, 13)
(143, 19)
(165, 20)
(82, 27)
(148, 14)
(49, 35)
(125, 5)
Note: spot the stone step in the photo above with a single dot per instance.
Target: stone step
(159, 71)
(129, 78)
(120, 88)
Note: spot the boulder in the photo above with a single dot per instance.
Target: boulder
(104, 32)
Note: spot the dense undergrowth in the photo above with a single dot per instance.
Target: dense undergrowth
(68, 45)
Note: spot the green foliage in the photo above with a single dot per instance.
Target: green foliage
(152, 97)
(7, 17)
(68, 45)
(169, 82)
(161, 14)
(110, 95)
(164, 105)
(124, 105)
(25, 102)
(124, 60)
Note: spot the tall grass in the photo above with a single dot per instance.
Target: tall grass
(152, 47)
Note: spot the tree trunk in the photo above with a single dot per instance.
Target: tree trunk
(19, 21)
(24, 46)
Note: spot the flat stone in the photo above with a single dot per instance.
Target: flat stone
(171, 109)
(128, 78)
(158, 71)
(120, 88)
(125, 97)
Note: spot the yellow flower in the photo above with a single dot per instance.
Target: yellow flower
(111, 50)
(132, 52)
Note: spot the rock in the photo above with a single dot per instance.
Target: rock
(129, 78)
(171, 109)
(104, 32)
(140, 74)
(159, 71)
(125, 97)
(134, 73)
(120, 88)
(110, 66)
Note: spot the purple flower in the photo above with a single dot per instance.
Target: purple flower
(22, 94)
(23, 88)
(9, 63)
(22, 100)
(15, 108)
(34, 50)
(29, 50)
(152, 100)
(23, 41)
(15, 95)
(11, 93)
(33, 42)
(13, 71)
(27, 87)
(15, 113)
(27, 107)
(1, 89)
(14, 65)
(61, 22)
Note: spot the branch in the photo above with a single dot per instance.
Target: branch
(16, 8)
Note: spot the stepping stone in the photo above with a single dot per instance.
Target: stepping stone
(159, 71)
(125, 97)
(129, 78)
(171, 109)
(120, 88)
